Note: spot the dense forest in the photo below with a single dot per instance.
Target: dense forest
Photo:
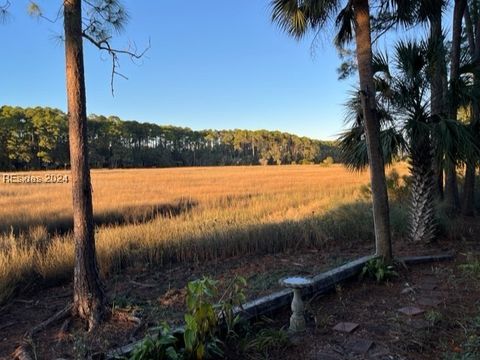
(37, 138)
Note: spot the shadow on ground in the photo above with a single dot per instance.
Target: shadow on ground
(121, 216)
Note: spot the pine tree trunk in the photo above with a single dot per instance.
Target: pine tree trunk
(381, 215)
(452, 198)
(89, 298)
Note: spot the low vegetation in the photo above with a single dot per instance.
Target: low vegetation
(378, 270)
(212, 329)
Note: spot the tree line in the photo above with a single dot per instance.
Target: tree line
(37, 138)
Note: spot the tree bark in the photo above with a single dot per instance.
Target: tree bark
(89, 298)
(437, 104)
(422, 225)
(452, 198)
(381, 214)
(468, 201)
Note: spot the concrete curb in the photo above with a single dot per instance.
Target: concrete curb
(321, 284)
(413, 260)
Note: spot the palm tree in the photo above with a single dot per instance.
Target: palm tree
(430, 12)
(403, 112)
(411, 99)
(407, 124)
(297, 17)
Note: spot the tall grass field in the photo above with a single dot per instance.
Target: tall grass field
(159, 216)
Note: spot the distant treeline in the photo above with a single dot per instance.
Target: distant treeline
(37, 138)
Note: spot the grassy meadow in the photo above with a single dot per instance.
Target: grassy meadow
(158, 216)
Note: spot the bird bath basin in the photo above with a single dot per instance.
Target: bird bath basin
(295, 282)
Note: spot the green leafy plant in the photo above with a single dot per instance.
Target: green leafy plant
(433, 316)
(200, 338)
(162, 347)
(267, 340)
(377, 269)
(232, 299)
(201, 319)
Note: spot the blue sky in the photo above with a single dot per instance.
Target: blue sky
(212, 64)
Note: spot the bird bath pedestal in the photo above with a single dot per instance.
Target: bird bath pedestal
(297, 320)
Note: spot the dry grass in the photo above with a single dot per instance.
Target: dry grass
(182, 214)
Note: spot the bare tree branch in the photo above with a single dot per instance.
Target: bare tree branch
(4, 11)
(104, 45)
(102, 18)
(35, 11)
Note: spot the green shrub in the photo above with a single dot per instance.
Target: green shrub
(267, 340)
(232, 299)
(163, 347)
(200, 339)
(378, 270)
(201, 320)
(433, 316)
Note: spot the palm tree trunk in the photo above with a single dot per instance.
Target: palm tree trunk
(437, 88)
(422, 225)
(381, 215)
(89, 297)
(468, 201)
(452, 198)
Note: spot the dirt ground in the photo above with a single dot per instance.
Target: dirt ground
(144, 297)
(448, 326)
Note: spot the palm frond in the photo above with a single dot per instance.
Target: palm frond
(290, 16)
(297, 17)
(353, 146)
(380, 64)
(426, 9)
(410, 58)
(403, 10)
(345, 24)
(455, 141)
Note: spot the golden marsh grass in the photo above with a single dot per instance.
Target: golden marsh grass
(156, 216)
